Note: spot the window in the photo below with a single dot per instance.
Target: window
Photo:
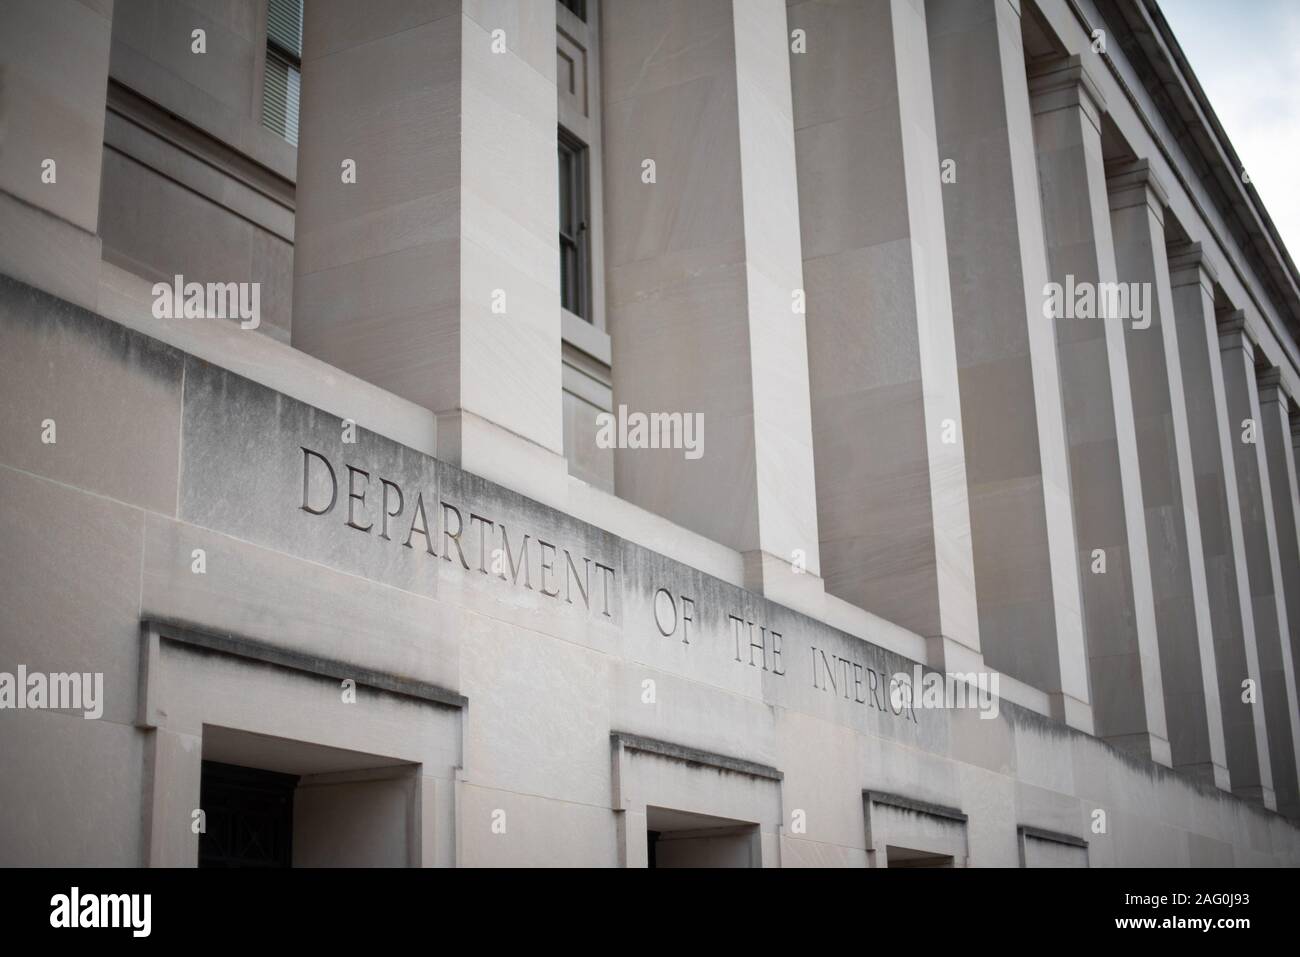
(575, 243)
(577, 7)
(283, 77)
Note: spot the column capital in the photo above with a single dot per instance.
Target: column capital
(1063, 82)
(1188, 265)
(1134, 182)
(1272, 387)
(1232, 332)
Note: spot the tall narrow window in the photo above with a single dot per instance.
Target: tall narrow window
(283, 76)
(575, 244)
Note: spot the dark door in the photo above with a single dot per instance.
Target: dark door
(249, 817)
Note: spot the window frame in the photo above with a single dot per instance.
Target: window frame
(580, 115)
(579, 186)
(291, 59)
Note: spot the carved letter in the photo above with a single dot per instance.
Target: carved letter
(448, 535)
(482, 539)
(354, 497)
(383, 533)
(669, 609)
(547, 566)
(306, 482)
(571, 573)
(510, 560)
(605, 580)
(418, 515)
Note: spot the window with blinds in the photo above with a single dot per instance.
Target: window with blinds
(282, 80)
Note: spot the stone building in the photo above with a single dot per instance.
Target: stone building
(639, 432)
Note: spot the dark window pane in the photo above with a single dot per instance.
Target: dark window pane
(578, 7)
(568, 276)
(566, 191)
(574, 244)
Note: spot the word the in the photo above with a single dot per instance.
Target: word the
(768, 645)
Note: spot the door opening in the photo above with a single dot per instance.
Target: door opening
(910, 857)
(248, 816)
(682, 839)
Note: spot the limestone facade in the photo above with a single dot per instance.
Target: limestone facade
(973, 537)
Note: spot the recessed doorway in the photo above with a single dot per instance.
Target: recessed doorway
(247, 816)
(683, 839)
(910, 857)
(271, 802)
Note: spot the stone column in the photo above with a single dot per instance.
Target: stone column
(1295, 441)
(1263, 565)
(1232, 618)
(887, 421)
(1118, 605)
(705, 275)
(1188, 669)
(1017, 467)
(53, 86)
(436, 273)
(1275, 433)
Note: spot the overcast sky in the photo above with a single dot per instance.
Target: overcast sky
(1246, 53)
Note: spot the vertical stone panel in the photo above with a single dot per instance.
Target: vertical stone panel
(893, 515)
(1118, 607)
(1022, 531)
(1232, 618)
(1275, 433)
(54, 57)
(1262, 561)
(1187, 662)
(704, 267)
(436, 274)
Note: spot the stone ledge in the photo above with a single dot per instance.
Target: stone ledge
(681, 752)
(240, 646)
(919, 807)
(1056, 837)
